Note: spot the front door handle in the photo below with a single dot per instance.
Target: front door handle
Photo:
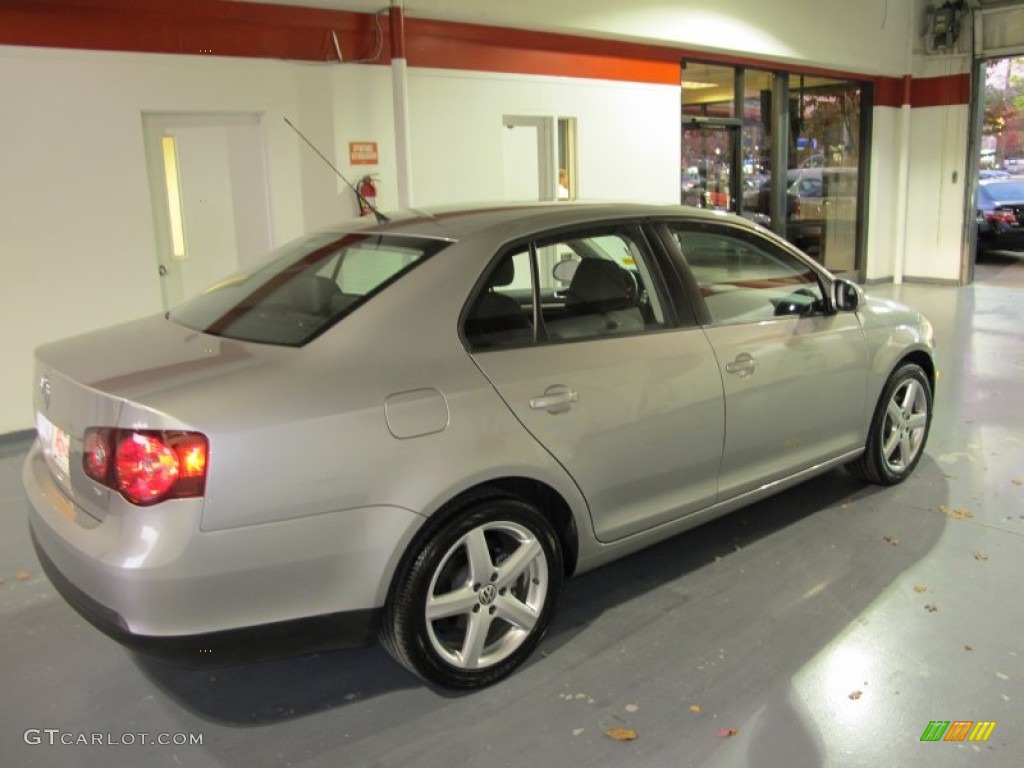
(742, 366)
(557, 398)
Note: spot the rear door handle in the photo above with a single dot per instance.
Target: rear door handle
(742, 366)
(557, 398)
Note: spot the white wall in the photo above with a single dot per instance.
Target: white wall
(77, 243)
(938, 157)
(77, 248)
(628, 134)
(882, 244)
(934, 221)
(867, 36)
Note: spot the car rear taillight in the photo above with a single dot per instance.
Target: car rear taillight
(1002, 217)
(147, 466)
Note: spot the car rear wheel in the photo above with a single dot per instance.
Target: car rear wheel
(475, 599)
(899, 428)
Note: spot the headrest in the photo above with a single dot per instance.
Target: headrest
(601, 286)
(505, 273)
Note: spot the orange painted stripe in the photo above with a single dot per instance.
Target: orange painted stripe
(471, 47)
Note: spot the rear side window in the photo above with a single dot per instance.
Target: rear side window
(589, 284)
(304, 289)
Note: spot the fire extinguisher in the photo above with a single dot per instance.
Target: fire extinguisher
(367, 196)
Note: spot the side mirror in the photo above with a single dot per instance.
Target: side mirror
(845, 296)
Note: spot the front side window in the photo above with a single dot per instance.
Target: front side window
(588, 285)
(304, 289)
(744, 278)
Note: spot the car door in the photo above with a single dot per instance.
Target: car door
(603, 372)
(794, 373)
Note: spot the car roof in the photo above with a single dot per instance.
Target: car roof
(456, 222)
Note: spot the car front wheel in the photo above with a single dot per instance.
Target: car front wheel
(899, 428)
(475, 599)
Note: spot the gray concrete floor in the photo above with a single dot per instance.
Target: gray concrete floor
(827, 626)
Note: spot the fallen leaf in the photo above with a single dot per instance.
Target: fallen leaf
(892, 540)
(968, 648)
(920, 588)
(856, 695)
(931, 608)
(1018, 481)
(621, 734)
(23, 575)
(696, 709)
(956, 514)
(725, 733)
(980, 556)
(632, 708)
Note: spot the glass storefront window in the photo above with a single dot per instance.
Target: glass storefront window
(824, 161)
(730, 153)
(708, 90)
(757, 149)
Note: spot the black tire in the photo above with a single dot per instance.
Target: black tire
(899, 428)
(492, 573)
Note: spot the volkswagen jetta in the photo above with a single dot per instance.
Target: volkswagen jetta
(419, 428)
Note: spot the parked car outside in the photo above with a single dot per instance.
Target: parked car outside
(1000, 214)
(421, 427)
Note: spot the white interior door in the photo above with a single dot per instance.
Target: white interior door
(528, 149)
(211, 209)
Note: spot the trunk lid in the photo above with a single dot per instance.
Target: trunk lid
(116, 377)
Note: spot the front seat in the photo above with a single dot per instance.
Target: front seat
(602, 299)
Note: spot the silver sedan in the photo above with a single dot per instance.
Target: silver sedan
(419, 428)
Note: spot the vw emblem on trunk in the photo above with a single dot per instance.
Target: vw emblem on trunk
(44, 390)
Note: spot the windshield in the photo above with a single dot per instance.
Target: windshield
(306, 287)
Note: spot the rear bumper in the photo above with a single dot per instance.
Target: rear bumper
(350, 629)
(152, 579)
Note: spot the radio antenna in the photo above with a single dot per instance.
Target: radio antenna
(381, 218)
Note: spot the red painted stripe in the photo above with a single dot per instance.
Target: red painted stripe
(197, 27)
(222, 28)
(947, 91)
(888, 92)
(397, 19)
(944, 91)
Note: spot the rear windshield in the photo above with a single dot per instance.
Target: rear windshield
(1005, 191)
(306, 287)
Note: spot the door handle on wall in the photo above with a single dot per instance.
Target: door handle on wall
(742, 366)
(557, 398)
